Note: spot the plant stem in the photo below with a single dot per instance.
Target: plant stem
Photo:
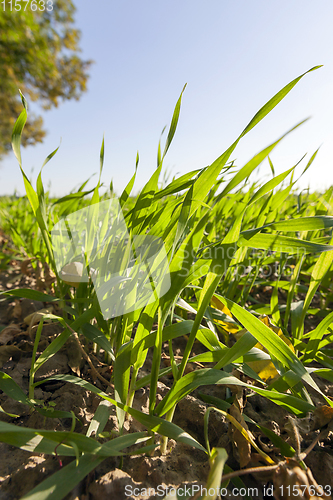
(156, 362)
(164, 442)
(33, 369)
(131, 391)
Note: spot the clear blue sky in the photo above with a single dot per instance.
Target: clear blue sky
(234, 56)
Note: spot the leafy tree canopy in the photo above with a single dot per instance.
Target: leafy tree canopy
(39, 55)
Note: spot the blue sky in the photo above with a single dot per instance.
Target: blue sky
(233, 56)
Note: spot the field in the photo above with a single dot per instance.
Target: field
(180, 336)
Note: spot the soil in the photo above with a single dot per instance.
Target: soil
(21, 471)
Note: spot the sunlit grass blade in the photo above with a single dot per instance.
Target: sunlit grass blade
(18, 129)
(128, 189)
(245, 171)
(280, 243)
(315, 338)
(274, 101)
(321, 267)
(210, 376)
(10, 387)
(174, 123)
(183, 182)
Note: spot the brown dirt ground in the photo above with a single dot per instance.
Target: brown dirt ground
(21, 471)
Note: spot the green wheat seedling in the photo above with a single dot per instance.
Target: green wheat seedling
(221, 234)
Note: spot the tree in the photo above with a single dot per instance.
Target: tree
(38, 55)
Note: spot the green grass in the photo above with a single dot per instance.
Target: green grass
(226, 240)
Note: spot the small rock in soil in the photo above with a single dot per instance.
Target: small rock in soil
(29, 306)
(114, 484)
(56, 365)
